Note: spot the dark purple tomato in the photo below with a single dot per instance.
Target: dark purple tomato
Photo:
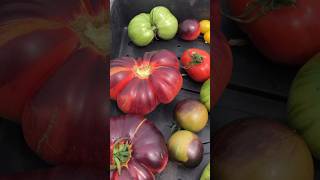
(189, 29)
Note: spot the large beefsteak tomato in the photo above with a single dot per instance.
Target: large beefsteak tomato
(137, 148)
(284, 31)
(139, 85)
(304, 104)
(53, 76)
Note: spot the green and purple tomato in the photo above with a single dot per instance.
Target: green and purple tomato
(205, 94)
(186, 148)
(304, 104)
(191, 115)
(260, 149)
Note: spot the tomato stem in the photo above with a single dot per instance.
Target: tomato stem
(122, 150)
(143, 71)
(196, 58)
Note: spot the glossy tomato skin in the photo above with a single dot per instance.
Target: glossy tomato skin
(159, 81)
(222, 65)
(65, 121)
(286, 35)
(149, 151)
(198, 72)
(52, 44)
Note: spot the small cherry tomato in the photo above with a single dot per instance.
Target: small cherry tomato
(204, 26)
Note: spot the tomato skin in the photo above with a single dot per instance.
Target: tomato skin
(18, 81)
(68, 104)
(222, 65)
(149, 150)
(304, 104)
(287, 35)
(198, 72)
(141, 95)
(53, 82)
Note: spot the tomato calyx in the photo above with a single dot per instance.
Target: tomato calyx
(258, 8)
(196, 58)
(121, 154)
(142, 71)
(93, 31)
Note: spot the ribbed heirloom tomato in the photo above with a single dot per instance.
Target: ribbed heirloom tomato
(140, 85)
(138, 149)
(53, 76)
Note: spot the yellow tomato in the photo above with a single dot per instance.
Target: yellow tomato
(204, 26)
(207, 37)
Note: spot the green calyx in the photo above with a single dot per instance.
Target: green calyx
(143, 71)
(122, 150)
(93, 31)
(258, 8)
(195, 59)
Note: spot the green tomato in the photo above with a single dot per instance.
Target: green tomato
(205, 94)
(165, 22)
(144, 27)
(140, 30)
(304, 104)
(206, 173)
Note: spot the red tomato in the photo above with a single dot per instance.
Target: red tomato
(143, 152)
(287, 33)
(222, 65)
(196, 62)
(53, 77)
(139, 85)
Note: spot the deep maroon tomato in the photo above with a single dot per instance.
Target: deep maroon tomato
(139, 149)
(196, 62)
(33, 49)
(286, 32)
(222, 65)
(139, 85)
(53, 77)
(189, 29)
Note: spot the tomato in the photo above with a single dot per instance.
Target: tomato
(53, 77)
(189, 29)
(222, 65)
(288, 32)
(206, 173)
(139, 148)
(144, 27)
(266, 147)
(204, 26)
(205, 94)
(191, 115)
(304, 104)
(140, 85)
(207, 37)
(196, 62)
(186, 148)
